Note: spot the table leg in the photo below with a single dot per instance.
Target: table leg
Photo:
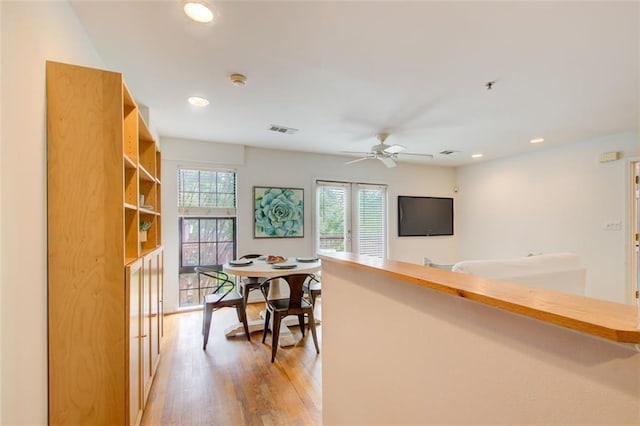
(286, 337)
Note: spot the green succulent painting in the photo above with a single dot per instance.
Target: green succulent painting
(279, 212)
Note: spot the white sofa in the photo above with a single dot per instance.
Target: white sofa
(562, 272)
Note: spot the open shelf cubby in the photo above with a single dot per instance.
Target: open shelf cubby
(131, 226)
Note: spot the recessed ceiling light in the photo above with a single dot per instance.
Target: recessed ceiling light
(198, 101)
(536, 140)
(476, 155)
(198, 11)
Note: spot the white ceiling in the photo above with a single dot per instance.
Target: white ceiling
(341, 72)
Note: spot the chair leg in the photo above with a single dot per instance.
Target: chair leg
(206, 324)
(242, 316)
(312, 326)
(245, 295)
(275, 335)
(267, 316)
(301, 322)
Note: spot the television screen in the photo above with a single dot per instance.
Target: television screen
(424, 216)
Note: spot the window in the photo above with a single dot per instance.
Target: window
(206, 189)
(207, 226)
(351, 217)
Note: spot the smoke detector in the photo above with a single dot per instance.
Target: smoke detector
(238, 79)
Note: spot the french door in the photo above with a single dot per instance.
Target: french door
(351, 217)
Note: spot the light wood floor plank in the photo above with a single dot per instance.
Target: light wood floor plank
(234, 382)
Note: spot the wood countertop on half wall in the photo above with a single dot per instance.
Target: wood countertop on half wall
(609, 320)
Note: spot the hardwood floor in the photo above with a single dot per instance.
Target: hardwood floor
(234, 381)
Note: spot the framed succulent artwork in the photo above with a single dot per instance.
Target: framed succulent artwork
(278, 212)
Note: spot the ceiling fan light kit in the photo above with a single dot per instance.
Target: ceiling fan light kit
(387, 154)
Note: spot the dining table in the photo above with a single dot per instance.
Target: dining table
(262, 268)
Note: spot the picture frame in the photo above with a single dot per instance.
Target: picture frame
(278, 212)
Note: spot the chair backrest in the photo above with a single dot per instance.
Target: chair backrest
(250, 256)
(218, 281)
(313, 279)
(296, 287)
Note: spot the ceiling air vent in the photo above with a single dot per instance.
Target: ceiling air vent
(282, 129)
(448, 152)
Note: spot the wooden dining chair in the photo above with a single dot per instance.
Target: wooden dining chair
(250, 283)
(220, 293)
(295, 304)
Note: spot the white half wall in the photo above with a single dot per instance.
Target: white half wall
(264, 167)
(553, 200)
(32, 32)
(408, 355)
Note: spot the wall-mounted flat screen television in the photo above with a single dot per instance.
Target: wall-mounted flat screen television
(424, 216)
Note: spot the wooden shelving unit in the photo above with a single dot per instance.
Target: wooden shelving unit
(105, 278)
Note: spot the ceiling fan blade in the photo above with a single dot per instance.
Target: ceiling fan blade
(358, 160)
(356, 152)
(394, 149)
(416, 154)
(388, 161)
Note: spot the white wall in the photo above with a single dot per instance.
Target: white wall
(256, 167)
(553, 200)
(32, 32)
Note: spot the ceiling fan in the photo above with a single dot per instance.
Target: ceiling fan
(384, 152)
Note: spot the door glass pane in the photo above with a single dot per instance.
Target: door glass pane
(331, 218)
(371, 222)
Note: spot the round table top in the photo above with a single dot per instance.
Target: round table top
(260, 268)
